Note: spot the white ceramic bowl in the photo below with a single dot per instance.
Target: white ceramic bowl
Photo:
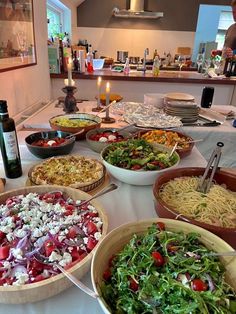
(115, 241)
(136, 177)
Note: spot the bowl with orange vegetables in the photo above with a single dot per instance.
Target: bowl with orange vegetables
(169, 139)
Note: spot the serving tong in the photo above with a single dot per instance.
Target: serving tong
(212, 165)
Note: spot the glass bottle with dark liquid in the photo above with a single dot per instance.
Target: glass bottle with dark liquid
(9, 144)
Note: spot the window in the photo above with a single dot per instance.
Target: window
(59, 18)
(226, 19)
(55, 21)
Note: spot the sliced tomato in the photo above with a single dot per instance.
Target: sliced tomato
(4, 251)
(198, 285)
(9, 281)
(72, 233)
(91, 227)
(2, 235)
(36, 266)
(91, 244)
(133, 284)
(91, 214)
(2, 281)
(158, 258)
(49, 246)
(111, 260)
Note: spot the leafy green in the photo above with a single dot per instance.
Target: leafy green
(161, 289)
(138, 152)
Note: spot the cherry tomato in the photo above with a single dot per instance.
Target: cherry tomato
(158, 258)
(133, 284)
(72, 233)
(161, 225)
(198, 285)
(107, 274)
(136, 167)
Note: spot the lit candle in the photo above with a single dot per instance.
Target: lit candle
(66, 82)
(69, 69)
(99, 82)
(108, 88)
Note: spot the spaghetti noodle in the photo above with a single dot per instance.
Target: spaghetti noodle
(217, 207)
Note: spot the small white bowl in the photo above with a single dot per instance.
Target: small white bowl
(137, 177)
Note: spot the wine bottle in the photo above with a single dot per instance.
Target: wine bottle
(9, 144)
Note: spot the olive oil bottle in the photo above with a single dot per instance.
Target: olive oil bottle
(9, 144)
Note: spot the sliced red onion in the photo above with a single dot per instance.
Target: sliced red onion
(79, 230)
(73, 243)
(210, 282)
(6, 274)
(23, 242)
(18, 269)
(54, 239)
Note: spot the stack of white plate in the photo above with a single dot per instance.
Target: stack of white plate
(181, 105)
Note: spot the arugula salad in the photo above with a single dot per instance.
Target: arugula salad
(138, 154)
(166, 272)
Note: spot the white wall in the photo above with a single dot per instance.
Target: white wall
(26, 86)
(108, 40)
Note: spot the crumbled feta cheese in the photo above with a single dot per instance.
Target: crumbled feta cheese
(97, 235)
(22, 278)
(85, 240)
(51, 142)
(20, 233)
(54, 257)
(17, 253)
(37, 233)
(66, 259)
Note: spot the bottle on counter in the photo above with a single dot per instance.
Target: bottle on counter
(9, 144)
(156, 66)
(75, 62)
(90, 59)
(126, 67)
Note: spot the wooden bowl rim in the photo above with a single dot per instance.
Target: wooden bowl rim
(86, 259)
(171, 210)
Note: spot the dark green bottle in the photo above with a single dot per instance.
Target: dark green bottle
(9, 144)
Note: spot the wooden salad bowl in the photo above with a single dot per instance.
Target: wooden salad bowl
(47, 288)
(115, 241)
(165, 211)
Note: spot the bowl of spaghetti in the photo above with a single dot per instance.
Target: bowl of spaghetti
(176, 197)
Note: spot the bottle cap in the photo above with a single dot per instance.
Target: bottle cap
(3, 106)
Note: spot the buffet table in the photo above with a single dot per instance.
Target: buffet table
(126, 204)
(211, 135)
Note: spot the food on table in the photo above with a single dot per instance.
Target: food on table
(107, 137)
(49, 142)
(74, 171)
(166, 272)
(167, 138)
(138, 154)
(51, 226)
(217, 207)
(72, 122)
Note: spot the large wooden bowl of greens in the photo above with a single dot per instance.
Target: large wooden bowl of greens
(141, 268)
(138, 162)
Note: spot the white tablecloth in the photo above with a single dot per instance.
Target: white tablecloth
(126, 204)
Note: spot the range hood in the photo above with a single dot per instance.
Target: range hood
(136, 10)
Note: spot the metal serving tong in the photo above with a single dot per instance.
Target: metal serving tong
(212, 166)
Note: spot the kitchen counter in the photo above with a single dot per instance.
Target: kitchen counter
(164, 76)
(132, 87)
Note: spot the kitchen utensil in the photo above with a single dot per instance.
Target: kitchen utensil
(72, 135)
(109, 188)
(213, 162)
(173, 149)
(213, 123)
(233, 253)
(105, 108)
(45, 260)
